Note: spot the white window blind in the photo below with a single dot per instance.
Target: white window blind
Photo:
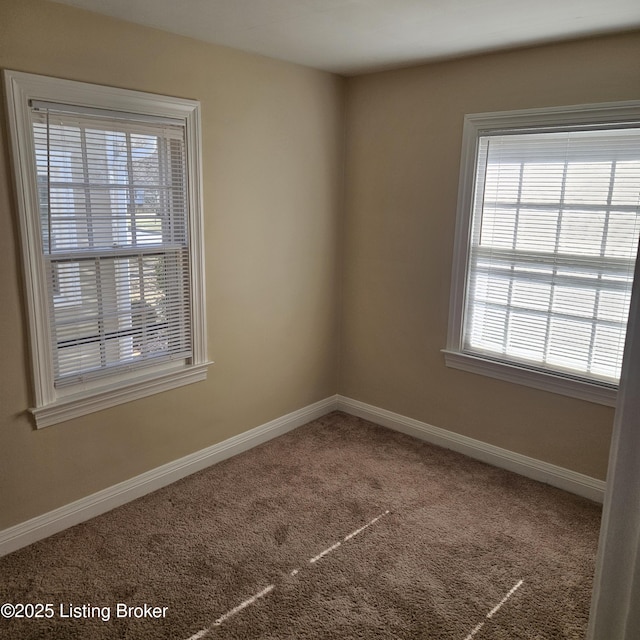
(554, 236)
(113, 216)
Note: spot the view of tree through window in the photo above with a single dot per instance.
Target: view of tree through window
(114, 234)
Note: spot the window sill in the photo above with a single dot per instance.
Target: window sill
(590, 391)
(84, 403)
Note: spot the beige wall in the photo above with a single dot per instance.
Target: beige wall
(272, 157)
(277, 256)
(403, 153)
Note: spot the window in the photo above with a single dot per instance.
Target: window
(108, 185)
(548, 225)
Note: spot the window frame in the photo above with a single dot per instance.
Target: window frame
(57, 405)
(475, 125)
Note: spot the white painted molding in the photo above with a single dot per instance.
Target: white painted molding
(615, 614)
(84, 509)
(554, 475)
(84, 403)
(91, 506)
(544, 380)
(582, 116)
(53, 404)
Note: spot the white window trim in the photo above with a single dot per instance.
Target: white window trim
(52, 407)
(474, 125)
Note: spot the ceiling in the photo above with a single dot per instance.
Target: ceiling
(359, 36)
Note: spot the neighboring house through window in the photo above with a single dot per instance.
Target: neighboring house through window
(548, 225)
(110, 213)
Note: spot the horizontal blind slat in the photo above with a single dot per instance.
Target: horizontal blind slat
(555, 229)
(113, 207)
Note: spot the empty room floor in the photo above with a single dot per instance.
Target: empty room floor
(339, 529)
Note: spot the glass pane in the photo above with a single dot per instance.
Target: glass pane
(492, 289)
(526, 336)
(569, 343)
(502, 183)
(626, 186)
(576, 301)
(537, 230)
(530, 295)
(542, 182)
(74, 358)
(614, 305)
(553, 249)
(587, 183)
(581, 233)
(622, 235)
(103, 188)
(118, 310)
(607, 351)
(498, 228)
(488, 327)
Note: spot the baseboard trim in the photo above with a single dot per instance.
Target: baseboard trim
(47, 524)
(84, 509)
(554, 475)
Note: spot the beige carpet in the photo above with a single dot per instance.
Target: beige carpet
(433, 545)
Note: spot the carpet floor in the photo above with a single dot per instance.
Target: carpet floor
(339, 529)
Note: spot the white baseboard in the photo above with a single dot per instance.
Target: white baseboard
(560, 477)
(84, 509)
